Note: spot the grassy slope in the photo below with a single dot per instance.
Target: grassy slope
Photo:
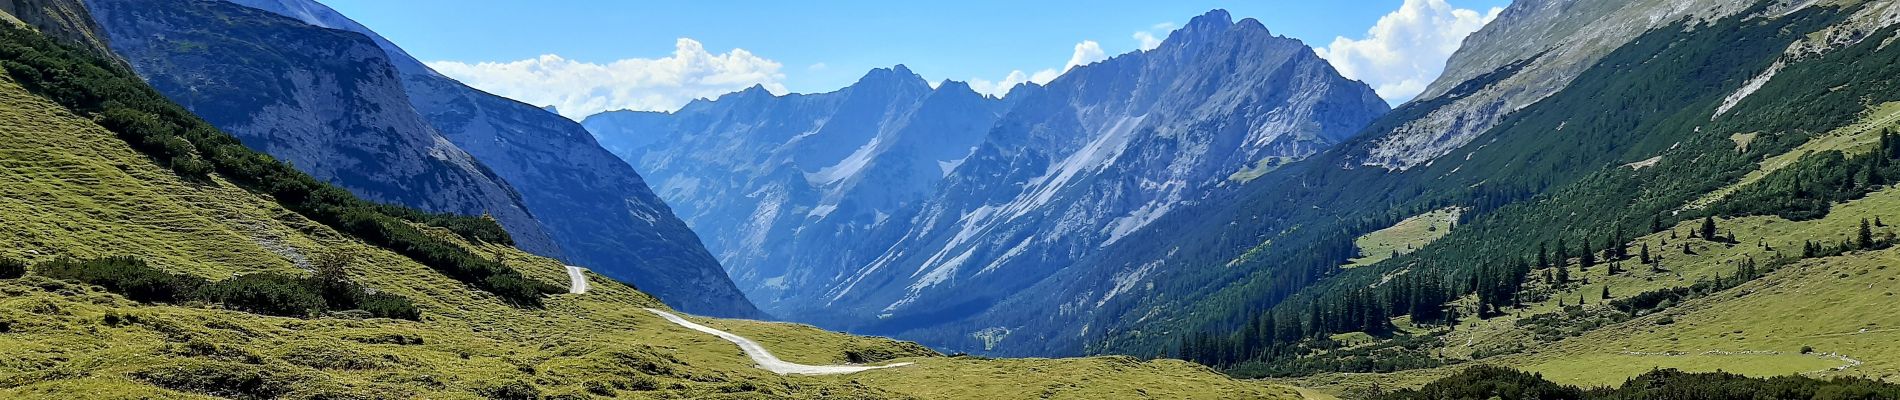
(68, 187)
(1756, 329)
(1404, 237)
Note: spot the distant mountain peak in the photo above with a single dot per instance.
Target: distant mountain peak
(950, 85)
(894, 76)
(1215, 20)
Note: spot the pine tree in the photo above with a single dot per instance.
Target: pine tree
(1708, 228)
(1543, 256)
(1645, 253)
(1606, 292)
(1563, 274)
(1588, 259)
(1866, 237)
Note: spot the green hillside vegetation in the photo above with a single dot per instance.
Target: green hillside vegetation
(96, 226)
(1534, 202)
(1405, 237)
(1487, 382)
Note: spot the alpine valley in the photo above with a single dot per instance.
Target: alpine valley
(1595, 199)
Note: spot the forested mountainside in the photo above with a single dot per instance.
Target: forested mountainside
(783, 187)
(325, 102)
(151, 255)
(584, 205)
(1064, 170)
(1707, 194)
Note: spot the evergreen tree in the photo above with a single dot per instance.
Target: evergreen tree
(1588, 259)
(1708, 228)
(1563, 274)
(1645, 253)
(1866, 237)
(1606, 291)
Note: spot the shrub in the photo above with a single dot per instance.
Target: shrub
(512, 390)
(220, 379)
(127, 276)
(11, 268)
(261, 293)
(268, 294)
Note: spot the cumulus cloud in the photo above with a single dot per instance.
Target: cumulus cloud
(1087, 52)
(1407, 49)
(579, 89)
(1151, 38)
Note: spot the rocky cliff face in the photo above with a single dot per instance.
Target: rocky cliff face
(1098, 154)
(326, 101)
(785, 186)
(585, 205)
(1554, 39)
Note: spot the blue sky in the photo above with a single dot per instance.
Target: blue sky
(817, 46)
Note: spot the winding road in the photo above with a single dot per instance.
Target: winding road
(577, 284)
(764, 358)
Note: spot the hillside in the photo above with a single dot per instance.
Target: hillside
(1767, 125)
(75, 189)
(599, 212)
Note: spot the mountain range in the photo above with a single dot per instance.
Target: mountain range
(891, 207)
(1676, 196)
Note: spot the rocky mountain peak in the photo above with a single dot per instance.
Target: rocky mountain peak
(898, 76)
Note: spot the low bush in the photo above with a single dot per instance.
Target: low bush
(127, 276)
(261, 293)
(11, 268)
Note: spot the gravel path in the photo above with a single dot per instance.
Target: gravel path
(764, 358)
(576, 280)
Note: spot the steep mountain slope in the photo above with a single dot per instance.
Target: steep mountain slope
(783, 186)
(1764, 122)
(595, 210)
(66, 20)
(76, 189)
(331, 106)
(1559, 38)
(1079, 165)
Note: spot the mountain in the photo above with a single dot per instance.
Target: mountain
(589, 205)
(1557, 40)
(1080, 165)
(783, 185)
(1637, 185)
(599, 210)
(106, 236)
(325, 102)
(898, 230)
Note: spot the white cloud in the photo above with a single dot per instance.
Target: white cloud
(818, 67)
(580, 89)
(1087, 52)
(1151, 38)
(1407, 49)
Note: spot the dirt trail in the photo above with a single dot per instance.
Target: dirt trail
(576, 280)
(765, 359)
